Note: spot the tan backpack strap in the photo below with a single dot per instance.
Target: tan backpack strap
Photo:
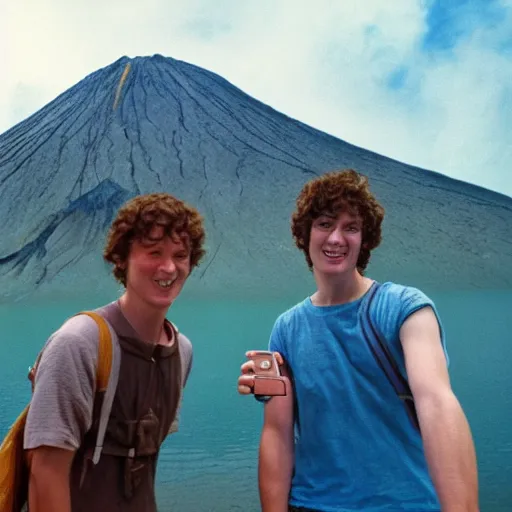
(105, 351)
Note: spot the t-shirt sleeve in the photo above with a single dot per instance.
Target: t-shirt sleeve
(413, 300)
(60, 411)
(275, 343)
(394, 306)
(410, 301)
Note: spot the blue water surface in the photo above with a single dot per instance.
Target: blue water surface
(211, 464)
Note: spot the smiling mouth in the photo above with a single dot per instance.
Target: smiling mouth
(167, 283)
(335, 254)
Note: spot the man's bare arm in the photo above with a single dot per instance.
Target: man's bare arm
(276, 454)
(49, 479)
(445, 431)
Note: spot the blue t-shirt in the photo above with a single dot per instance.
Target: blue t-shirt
(355, 447)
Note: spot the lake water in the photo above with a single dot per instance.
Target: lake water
(211, 464)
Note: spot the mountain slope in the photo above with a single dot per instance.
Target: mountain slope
(153, 123)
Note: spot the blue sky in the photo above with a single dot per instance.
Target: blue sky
(426, 82)
(449, 22)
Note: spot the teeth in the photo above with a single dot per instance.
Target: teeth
(165, 284)
(333, 254)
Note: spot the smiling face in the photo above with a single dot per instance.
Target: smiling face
(335, 192)
(157, 268)
(335, 244)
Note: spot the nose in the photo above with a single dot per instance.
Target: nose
(336, 236)
(168, 265)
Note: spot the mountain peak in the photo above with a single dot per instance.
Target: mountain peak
(148, 124)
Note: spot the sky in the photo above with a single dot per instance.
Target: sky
(426, 82)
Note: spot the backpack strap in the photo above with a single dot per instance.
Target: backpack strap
(384, 358)
(107, 375)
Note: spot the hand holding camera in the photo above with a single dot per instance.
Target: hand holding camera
(261, 375)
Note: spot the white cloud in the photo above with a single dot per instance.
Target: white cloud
(325, 63)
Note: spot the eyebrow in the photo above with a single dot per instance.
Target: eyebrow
(148, 241)
(356, 220)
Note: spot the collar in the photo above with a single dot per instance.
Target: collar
(129, 338)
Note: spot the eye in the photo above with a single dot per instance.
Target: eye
(182, 255)
(155, 253)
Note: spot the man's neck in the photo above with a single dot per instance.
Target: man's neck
(340, 290)
(147, 321)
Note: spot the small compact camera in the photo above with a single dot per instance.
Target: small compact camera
(267, 375)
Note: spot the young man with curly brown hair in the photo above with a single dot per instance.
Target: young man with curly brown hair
(154, 243)
(345, 437)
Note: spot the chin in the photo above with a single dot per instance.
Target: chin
(161, 303)
(334, 267)
(334, 270)
(161, 300)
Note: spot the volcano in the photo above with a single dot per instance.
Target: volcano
(152, 124)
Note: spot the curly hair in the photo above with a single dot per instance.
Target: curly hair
(335, 192)
(140, 215)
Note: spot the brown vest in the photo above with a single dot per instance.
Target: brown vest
(145, 404)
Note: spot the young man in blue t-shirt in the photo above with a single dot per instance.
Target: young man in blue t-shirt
(342, 439)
